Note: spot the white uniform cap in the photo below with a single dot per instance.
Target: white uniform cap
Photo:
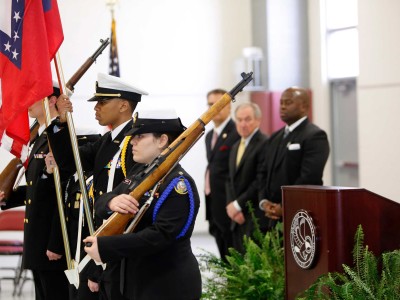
(108, 86)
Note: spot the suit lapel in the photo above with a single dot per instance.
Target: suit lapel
(208, 144)
(282, 147)
(107, 150)
(221, 138)
(232, 159)
(104, 154)
(250, 148)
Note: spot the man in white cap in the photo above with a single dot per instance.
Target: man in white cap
(109, 158)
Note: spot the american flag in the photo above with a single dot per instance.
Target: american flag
(114, 62)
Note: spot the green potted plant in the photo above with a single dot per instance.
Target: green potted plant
(370, 278)
(257, 274)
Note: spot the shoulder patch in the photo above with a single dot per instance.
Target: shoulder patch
(180, 187)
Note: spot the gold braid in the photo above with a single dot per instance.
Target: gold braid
(123, 154)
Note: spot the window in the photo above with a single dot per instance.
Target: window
(342, 38)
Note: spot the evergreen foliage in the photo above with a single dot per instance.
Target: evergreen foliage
(367, 280)
(257, 274)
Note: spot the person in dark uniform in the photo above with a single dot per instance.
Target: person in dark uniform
(219, 142)
(43, 242)
(108, 158)
(72, 212)
(157, 259)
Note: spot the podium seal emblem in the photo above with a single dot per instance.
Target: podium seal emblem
(302, 239)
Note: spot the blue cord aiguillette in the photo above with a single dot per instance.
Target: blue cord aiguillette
(164, 196)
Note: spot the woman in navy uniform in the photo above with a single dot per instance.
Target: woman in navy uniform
(157, 259)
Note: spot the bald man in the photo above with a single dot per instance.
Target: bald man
(295, 154)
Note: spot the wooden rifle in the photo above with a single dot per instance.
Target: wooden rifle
(8, 177)
(10, 173)
(86, 65)
(117, 222)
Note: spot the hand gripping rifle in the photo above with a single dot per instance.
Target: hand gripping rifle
(8, 177)
(117, 222)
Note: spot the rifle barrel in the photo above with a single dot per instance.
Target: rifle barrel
(86, 65)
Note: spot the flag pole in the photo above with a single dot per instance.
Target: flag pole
(72, 272)
(74, 142)
(60, 202)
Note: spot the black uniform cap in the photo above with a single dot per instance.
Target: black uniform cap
(156, 121)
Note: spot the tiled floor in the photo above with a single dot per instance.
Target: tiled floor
(200, 243)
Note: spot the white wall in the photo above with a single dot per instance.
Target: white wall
(378, 91)
(379, 97)
(176, 50)
(318, 75)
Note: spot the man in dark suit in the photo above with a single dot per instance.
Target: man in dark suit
(109, 157)
(246, 157)
(43, 242)
(219, 142)
(295, 155)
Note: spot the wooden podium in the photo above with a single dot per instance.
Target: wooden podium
(319, 227)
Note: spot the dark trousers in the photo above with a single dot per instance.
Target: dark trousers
(50, 285)
(110, 290)
(222, 238)
(240, 231)
(222, 234)
(82, 293)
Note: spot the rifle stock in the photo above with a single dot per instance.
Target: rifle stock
(117, 222)
(8, 176)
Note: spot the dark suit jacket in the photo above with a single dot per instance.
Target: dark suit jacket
(158, 264)
(218, 167)
(242, 182)
(298, 159)
(42, 230)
